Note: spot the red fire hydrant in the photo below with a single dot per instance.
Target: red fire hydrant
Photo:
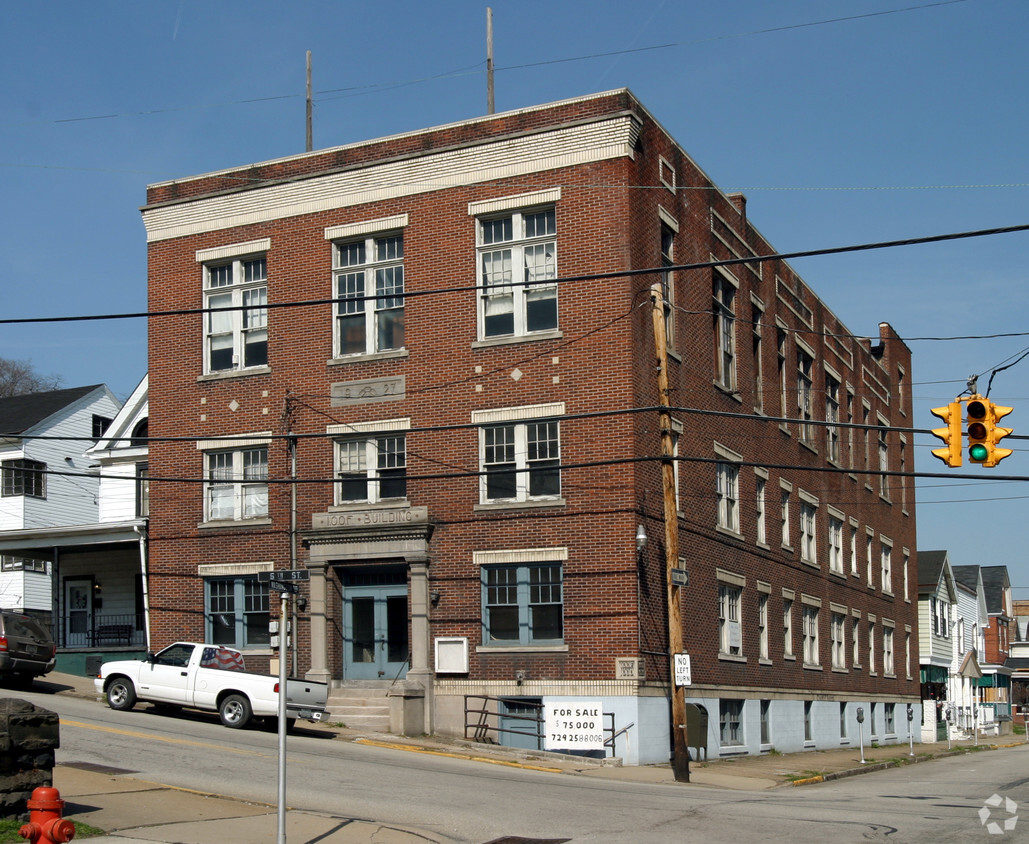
(46, 826)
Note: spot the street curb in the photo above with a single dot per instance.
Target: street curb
(894, 763)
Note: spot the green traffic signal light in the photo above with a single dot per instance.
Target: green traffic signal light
(978, 451)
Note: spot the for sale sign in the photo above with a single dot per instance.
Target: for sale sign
(574, 725)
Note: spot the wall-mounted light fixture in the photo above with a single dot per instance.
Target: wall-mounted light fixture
(641, 538)
(434, 597)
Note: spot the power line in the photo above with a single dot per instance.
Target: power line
(606, 276)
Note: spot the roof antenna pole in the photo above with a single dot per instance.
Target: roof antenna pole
(490, 106)
(310, 134)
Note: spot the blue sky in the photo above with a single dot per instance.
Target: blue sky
(844, 123)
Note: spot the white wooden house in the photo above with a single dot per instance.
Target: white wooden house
(937, 599)
(46, 490)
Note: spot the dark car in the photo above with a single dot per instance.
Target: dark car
(27, 649)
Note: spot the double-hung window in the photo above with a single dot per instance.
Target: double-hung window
(371, 469)
(805, 361)
(668, 279)
(832, 416)
(809, 632)
(835, 544)
(369, 292)
(808, 544)
(23, 477)
(723, 308)
(730, 632)
(517, 273)
(236, 326)
(236, 484)
(236, 611)
(839, 646)
(728, 492)
(522, 604)
(520, 458)
(888, 668)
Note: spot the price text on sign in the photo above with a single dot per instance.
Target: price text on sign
(574, 725)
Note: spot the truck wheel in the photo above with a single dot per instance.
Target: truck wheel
(235, 711)
(121, 694)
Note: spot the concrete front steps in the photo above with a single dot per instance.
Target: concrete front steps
(360, 705)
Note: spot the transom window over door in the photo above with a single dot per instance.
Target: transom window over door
(517, 268)
(369, 291)
(236, 338)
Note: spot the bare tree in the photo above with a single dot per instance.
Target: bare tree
(17, 378)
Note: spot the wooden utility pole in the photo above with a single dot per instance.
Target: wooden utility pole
(310, 130)
(680, 751)
(490, 105)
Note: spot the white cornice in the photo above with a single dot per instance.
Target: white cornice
(511, 157)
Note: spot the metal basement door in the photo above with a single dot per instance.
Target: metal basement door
(375, 639)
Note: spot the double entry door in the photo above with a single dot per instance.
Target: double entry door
(375, 637)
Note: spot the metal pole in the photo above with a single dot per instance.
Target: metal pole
(680, 751)
(310, 107)
(283, 639)
(490, 105)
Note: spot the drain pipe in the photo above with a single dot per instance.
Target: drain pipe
(146, 586)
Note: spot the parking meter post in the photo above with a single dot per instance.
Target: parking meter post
(861, 732)
(911, 735)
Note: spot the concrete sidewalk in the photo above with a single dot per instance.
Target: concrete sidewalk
(130, 809)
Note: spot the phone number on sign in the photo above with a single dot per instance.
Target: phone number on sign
(577, 738)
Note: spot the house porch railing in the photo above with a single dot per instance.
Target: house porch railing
(99, 630)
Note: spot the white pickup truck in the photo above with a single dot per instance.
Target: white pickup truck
(209, 677)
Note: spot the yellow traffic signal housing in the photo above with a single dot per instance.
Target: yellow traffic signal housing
(984, 433)
(951, 435)
(995, 433)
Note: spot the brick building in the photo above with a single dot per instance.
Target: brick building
(469, 381)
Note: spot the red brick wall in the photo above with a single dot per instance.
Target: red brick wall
(604, 361)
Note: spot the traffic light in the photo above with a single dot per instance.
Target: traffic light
(984, 433)
(951, 435)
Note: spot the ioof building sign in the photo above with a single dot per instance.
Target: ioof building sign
(573, 725)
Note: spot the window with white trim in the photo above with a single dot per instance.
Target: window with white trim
(888, 667)
(835, 544)
(884, 459)
(723, 307)
(787, 627)
(236, 485)
(756, 355)
(853, 550)
(809, 632)
(236, 611)
(236, 338)
(832, 416)
(522, 604)
(728, 493)
(855, 640)
(371, 469)
(805, 363)
(730, 723)
(368, 288)
(668, 282)
(871, 647)
(517, 272)
(808, 545)
(762, 625)
(836, 633)
(759, 505)
(730, 632)
(520, 461)
(784, 515)
(886, 558)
